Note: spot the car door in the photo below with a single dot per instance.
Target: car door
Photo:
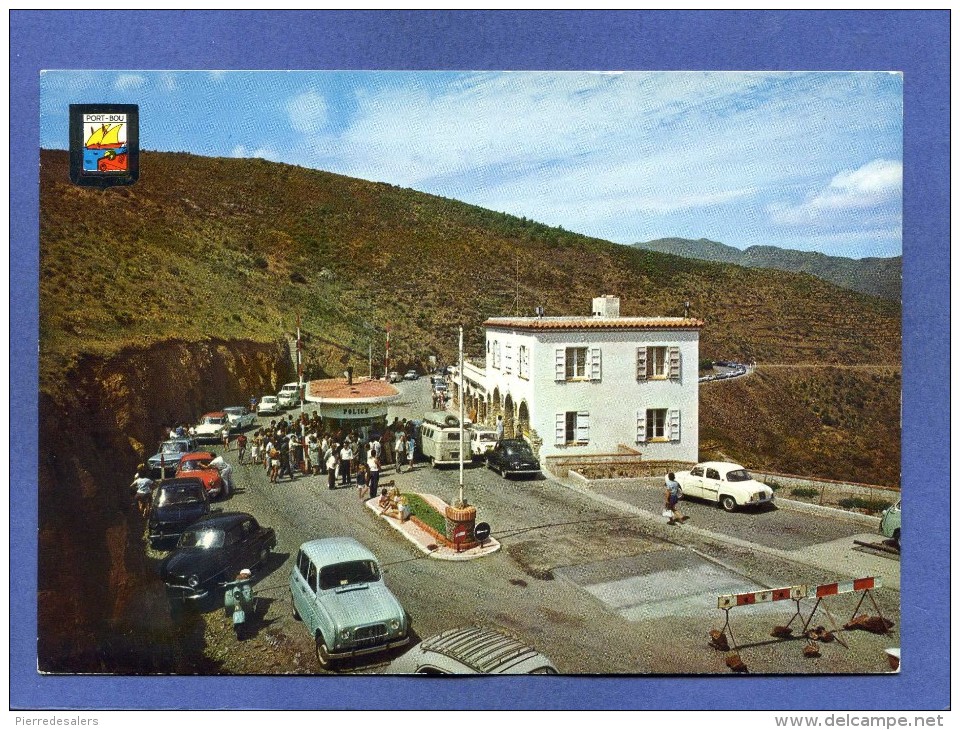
(694, 485)
(711, 484)
(306, 598)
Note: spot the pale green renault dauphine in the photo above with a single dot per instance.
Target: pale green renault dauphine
(339, 594)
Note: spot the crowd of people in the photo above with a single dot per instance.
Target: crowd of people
(304, 445)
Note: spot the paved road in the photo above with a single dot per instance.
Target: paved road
(597, 588)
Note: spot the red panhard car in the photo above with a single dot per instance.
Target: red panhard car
(197, 464)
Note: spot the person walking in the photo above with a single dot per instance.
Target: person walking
(672, 497)
(284, 449)
(499, 428)
(241, 447)
(143, 487)
(411, 443)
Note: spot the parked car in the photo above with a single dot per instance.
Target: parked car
(339, 594)
(169, 454)
(240, 418)
(196, 464)
(890, 523)
(212, 551)
(411, 375)
(472, 650)
(177, 503)
(289, 395)
(512, 456)
(482, 441)
(268, 406)
(395, 377)
(212, 426)
(728, 484)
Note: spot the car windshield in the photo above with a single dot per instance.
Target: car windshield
(738, 475)
(518, 450)
(203, 539)
(215, 420)
(487, 437)
(193, 465)
(177, 495)
(235, 411)
(172, 447)
(348, 574)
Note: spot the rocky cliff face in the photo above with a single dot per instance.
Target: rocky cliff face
(101, 607)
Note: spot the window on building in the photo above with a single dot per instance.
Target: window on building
(656, 423)
(656, 362)
(507, 358)
(495, 361)
(573, 427)
(576, 364)
(523, 362)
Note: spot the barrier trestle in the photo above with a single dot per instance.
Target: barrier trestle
(798, 593)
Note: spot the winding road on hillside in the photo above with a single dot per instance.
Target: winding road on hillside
(593, 578)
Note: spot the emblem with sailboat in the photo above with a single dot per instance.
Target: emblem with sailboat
(105, 148)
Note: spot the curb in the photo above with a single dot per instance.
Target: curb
(819, 509)
(421, 539)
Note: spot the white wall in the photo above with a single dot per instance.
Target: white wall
(614, 401)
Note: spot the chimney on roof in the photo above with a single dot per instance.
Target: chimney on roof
(606, 306)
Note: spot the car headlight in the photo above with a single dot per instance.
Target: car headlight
(193, 581)
(344, 634)
(394, 624)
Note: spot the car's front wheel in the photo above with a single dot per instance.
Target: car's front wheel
(728, 503)
(323, 654)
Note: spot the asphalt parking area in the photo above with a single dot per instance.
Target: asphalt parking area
(673, 582)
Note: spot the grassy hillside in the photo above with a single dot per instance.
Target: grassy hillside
(833, 422)
(231, 248)
(881, 277)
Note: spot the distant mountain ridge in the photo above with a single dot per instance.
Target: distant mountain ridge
(879, 277)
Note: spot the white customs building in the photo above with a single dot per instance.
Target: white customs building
(589, 385)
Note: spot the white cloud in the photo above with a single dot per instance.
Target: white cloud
(876, 185)
(127, 82)
(266, 153)
(307, 112)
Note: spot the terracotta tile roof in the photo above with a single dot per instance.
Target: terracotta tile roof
(336, 390)
(600, 323)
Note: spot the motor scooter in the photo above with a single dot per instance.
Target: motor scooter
(238, 601)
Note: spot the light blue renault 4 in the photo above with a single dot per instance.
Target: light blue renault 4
(339, 594)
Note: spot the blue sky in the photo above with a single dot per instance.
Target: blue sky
(810, 161)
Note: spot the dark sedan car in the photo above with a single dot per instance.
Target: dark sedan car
(177, 504)
(211, 553)
(169, 455)
(513, 456)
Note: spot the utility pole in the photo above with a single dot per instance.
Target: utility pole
(460, 502)
(299, 365)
